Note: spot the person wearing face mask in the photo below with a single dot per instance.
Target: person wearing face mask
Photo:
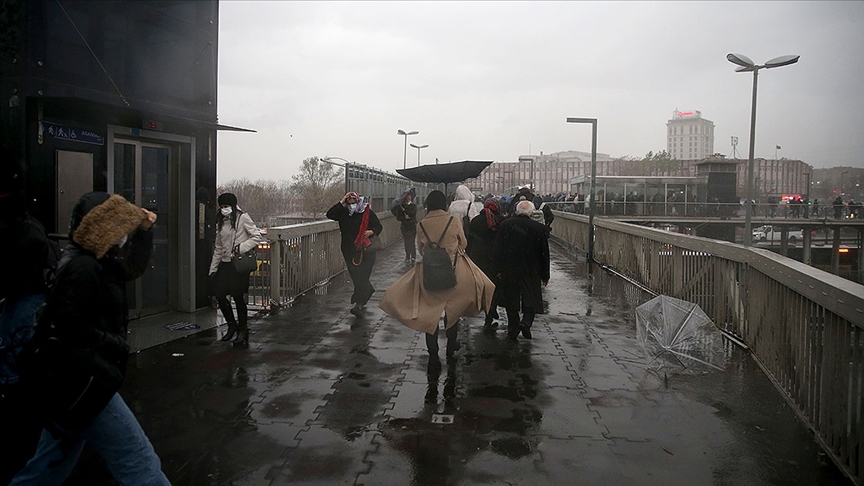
(357, 222)
(237, 234)
(76, 361)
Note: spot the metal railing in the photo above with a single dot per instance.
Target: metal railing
(303, 256)
(804, 326)
(710, 210)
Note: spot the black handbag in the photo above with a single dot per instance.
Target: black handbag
(245, 262)
(374, 244)
(438, 270)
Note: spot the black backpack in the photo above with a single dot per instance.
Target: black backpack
(438, 270)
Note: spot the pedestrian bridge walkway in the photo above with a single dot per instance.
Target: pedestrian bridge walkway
(322, 397)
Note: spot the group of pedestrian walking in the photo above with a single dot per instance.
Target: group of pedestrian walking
(495, 259)
(60, 373)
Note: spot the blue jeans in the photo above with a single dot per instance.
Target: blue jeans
(16, 328)
(114, 434)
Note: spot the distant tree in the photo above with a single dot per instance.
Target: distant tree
(262, 199)
(317, 187)
(660, 163)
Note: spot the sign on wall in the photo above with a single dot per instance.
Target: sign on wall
(67, 133)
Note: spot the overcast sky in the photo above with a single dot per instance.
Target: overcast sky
(496, 80)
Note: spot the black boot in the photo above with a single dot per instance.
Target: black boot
(242, 332)
(242, 338)
(231, 332)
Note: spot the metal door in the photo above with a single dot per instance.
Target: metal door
(141, 175)
(74, 179)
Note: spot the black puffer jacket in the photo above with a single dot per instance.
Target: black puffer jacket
(77, 358)
(88, 304)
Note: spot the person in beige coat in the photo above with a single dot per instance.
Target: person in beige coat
(237, 234)
(420, 309)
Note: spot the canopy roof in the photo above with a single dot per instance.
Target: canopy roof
(446, 173)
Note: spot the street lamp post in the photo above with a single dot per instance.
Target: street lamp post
(405, 152)
(591, 203)
(418, 147)
(327, 159)
(748, 65)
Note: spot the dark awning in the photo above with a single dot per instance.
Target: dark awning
(446, 173)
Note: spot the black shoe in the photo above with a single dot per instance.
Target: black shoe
(230, 333)
(513, 336)
(242, 338)
(526, 331)
(357, 311)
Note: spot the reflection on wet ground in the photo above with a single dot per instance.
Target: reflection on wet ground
(320, 397)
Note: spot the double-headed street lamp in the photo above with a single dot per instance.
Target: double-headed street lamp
(329, 160)
(748, 65)
(418, 147)
(405, 152)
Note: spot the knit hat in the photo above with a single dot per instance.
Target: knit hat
(226, 198)
(436, 200)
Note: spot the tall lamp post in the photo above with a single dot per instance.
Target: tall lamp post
(418, 147)
(405, 152)
(328, 160)
(748, 65)
(591, 204)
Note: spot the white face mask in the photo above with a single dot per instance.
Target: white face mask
(123, 241)
(226, 211)
(409, 202)
(352, 207)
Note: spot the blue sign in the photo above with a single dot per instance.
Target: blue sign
(66, 133)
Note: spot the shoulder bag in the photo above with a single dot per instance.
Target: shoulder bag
(244, 262)
(438, 270)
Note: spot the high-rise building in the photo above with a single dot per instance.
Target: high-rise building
(689, 136)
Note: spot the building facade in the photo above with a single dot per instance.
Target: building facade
(547, 174)
(689, 136)
(122, 100)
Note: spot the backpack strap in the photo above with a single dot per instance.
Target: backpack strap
(443, 232)
(436, 243)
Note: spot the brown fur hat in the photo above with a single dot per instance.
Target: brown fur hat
(104, 225)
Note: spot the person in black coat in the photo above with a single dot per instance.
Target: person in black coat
(30, 258)
(481, 242)
(77, 358)
(521, 255)
(357, 222)
(406, 213)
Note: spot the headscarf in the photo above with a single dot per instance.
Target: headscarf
(493, 214)
(361, 204)
(436, 200)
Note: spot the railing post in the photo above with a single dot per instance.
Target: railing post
(275, 271)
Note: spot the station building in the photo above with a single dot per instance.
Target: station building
(118, 97)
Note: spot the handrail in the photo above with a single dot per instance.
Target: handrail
(804, 326)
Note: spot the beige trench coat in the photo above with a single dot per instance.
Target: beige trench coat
(412, 305)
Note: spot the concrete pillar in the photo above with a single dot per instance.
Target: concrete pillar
(835, 252)
(806, 256)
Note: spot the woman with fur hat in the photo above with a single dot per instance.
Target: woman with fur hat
(357, 223)
(237, 234)
(77, 358)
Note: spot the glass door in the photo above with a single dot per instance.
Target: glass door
(141, 175)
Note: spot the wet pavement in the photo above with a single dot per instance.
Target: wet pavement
(320, 397)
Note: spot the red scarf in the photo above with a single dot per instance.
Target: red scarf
(493, 217)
